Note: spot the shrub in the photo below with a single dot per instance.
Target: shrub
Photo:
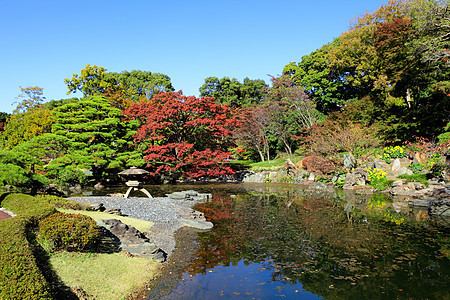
(318, 163)
(31, 208)
(73, 232)
(444, 138)
(60, 202)
(331, 138)
(20, 276)
(416, 168)
(286, 178)
(393, 152)
(15, 172)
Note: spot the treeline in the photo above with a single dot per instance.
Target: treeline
(386, 80)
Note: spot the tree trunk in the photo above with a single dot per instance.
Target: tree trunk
(260, 153)
(408, 98)
(287, 147)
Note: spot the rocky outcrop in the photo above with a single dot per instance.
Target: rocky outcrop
(131, 240)
(255, 177)
(435, 198)
(358, 177)
(349, 161)
(194, 219)
(190, 195)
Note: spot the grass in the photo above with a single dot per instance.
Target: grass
(106, 276)
(422, 178)
(141, 225)
(272, 165)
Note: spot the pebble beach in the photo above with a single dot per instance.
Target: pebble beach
(162, 211)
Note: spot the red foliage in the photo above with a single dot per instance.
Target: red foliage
(390, 40)
(219, 209)
(318, 163)
(185, 136)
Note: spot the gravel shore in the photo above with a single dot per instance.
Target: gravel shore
(164, 212)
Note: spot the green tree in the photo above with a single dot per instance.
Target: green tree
(95, 132)
(16, 172)
(46, 147)
(138, 84)
(322, 83)
(232, 92)
(30, 118)
(90, 81)
(122, 89)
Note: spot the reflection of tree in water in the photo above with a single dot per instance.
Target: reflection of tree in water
(307, 239)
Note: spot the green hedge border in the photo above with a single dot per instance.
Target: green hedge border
(20, 276)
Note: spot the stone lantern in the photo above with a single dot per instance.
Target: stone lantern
(134, 174)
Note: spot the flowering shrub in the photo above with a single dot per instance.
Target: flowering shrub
(393, 152)
(376, 174)
(433, 151)
(286, 178)
(435, 165)
(339, 178)
(378, 179)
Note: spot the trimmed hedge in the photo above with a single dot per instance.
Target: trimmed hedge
(60, 202)
(71, 232)
(30, 208)
(20, 277)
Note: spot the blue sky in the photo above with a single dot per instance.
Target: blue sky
(43, 42)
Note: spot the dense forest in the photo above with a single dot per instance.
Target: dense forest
(385, 81)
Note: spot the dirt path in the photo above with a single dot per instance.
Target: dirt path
(4, 215)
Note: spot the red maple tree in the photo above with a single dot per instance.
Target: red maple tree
(185, 136)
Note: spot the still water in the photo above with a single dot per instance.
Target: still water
(287, 241)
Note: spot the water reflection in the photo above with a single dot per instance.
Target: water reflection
(290, 242)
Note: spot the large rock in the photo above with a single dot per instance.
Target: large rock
(349, 161)
(255, 177)
(381, 164)
(132, 240)
(358, 177)
(396, 165)
(202, 225)
(440, 208)
(404, 170)
(189, 213)
(189, 195)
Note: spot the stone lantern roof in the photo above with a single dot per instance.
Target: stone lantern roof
(133, 171)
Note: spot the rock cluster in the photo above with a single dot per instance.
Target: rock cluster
(358, 177)
(132, 240)
(436, 199)
(167, 213)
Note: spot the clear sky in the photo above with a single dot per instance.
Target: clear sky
(42, 42)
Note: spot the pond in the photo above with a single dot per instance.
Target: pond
(288, 241)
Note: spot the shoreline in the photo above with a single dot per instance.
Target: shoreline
(166, 213)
